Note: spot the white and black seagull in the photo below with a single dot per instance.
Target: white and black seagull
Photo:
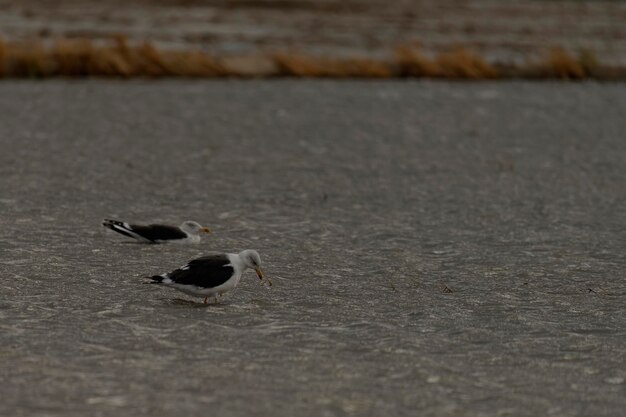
(188, 232)
(212, 275)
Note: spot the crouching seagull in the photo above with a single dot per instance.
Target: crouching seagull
(212, 275)
(188, 232)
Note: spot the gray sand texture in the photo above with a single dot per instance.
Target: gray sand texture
(436, 249)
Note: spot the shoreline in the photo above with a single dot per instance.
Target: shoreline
(119, 58)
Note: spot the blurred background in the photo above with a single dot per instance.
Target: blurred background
(504, 33)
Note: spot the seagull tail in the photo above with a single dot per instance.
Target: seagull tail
(109, 222)
(119, 227)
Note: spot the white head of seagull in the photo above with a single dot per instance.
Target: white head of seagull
(193, 228)
(250, 259)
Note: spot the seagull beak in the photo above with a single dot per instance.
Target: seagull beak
(259, 274)
(206, 230)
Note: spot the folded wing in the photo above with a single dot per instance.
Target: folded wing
(206, 272)
(156, 232)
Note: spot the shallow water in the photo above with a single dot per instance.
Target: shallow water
(436, 249)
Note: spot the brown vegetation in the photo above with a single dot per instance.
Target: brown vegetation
(301, 65)
(559, 64)
(84, 58)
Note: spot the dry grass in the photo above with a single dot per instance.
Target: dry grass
(300, 65)
(411, 63)
(2, 54)
(83, 58)
(461, 63)
(559, 64)
(458, 63)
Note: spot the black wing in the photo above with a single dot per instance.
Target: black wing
(206, 272)
(155, 232)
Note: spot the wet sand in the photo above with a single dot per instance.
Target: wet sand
(439, 249)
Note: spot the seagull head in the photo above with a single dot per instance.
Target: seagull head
(193, 228)
(252, 260)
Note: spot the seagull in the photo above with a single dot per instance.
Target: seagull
(212, 275)
(187, 232)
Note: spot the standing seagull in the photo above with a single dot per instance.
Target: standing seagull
(212, 275)
(188, 232)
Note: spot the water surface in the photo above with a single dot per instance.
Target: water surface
(436, 249)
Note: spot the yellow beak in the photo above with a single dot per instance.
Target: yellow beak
(259, 274)
(206, 230)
